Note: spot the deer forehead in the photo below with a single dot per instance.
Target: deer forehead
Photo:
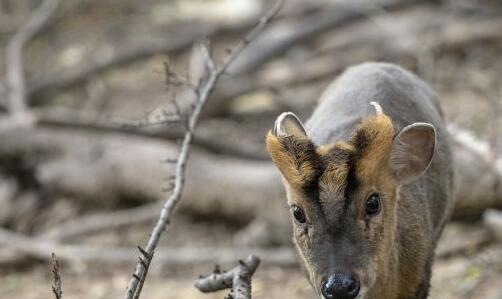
(330, 169)
(339, 174)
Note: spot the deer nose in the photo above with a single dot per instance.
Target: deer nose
(340, 286)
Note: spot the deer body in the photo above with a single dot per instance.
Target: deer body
(368, 184)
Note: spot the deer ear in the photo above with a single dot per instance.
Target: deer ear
(288, 124)
(412, 151)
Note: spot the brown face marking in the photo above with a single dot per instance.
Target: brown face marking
(333, 179)
(296, 158)
(330, 168)
(373, 141)
(327, 178)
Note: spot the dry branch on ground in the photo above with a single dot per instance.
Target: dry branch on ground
(118, 162)
(238, 279)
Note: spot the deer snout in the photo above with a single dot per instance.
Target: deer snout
(341, 285)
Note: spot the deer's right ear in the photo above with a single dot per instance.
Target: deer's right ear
(292, 151)
(412, 151)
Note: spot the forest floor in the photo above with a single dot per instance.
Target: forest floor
(434, 40)
(467, 268)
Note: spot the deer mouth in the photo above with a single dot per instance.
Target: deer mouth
(361, 295)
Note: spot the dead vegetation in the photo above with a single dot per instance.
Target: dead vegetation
(84, 173)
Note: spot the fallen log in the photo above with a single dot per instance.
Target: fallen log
(493, 220)
(107, 168)
(477, 179)
(42, 249)
(111, 168)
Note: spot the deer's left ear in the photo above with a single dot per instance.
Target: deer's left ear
(412, 151)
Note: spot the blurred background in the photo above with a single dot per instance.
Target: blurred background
(86, 179)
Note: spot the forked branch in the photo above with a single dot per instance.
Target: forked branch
(214, 73)
(238, 279)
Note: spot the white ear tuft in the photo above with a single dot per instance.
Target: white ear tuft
(412, 151)
(288, 124)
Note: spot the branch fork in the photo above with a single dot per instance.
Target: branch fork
(238, 279)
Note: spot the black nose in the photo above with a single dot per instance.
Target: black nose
(340, 286)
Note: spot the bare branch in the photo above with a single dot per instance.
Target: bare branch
(252, 35)
(16, 86)
(145, 259)
(57, 287)
(238, 278)
(171, 126)
(135, 285)
(67, 118)
(241, 284)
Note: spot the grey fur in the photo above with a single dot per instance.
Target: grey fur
(406, 99)
(424, 204)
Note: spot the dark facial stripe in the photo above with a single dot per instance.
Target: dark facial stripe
(304, 151)
(352, 184)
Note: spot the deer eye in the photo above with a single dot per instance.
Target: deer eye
(298, 214)
(373, 204)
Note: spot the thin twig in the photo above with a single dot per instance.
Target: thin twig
(68, 118)
(238, 278)
(264, 21)
(15, 79)
(57, 288)
(135, 285)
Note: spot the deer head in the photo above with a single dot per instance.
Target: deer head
(343, 199)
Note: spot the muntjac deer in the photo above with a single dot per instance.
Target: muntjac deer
(368, 182)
